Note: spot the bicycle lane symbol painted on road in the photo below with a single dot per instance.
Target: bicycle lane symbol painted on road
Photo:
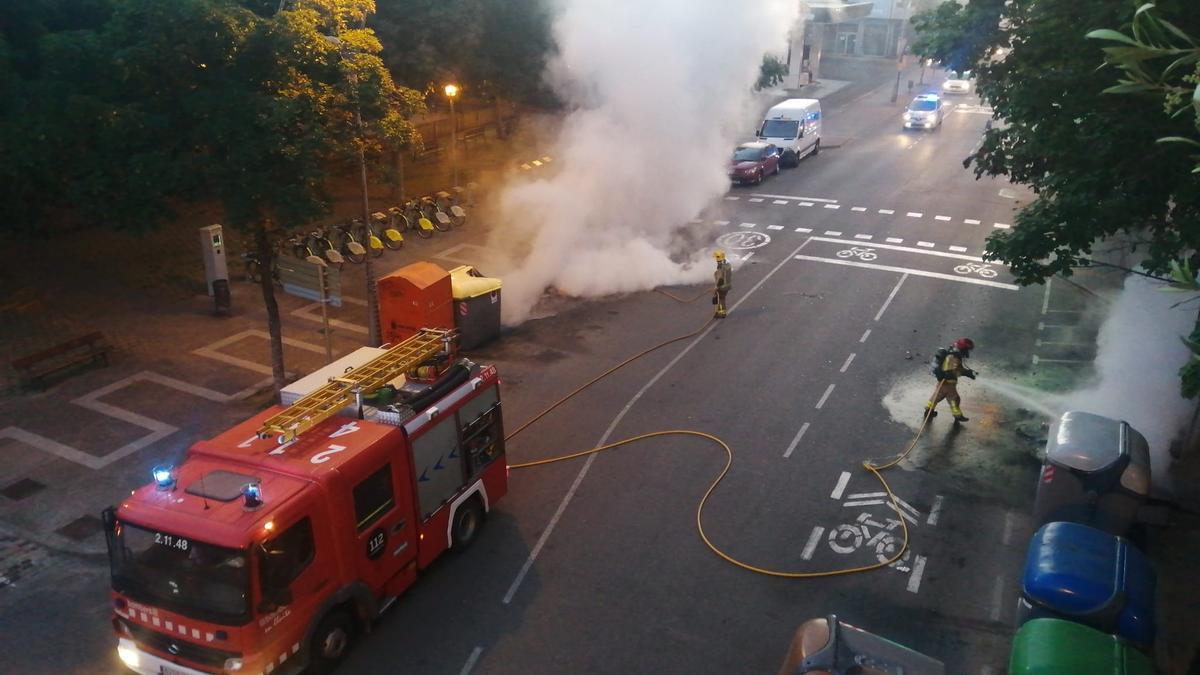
(875, 530)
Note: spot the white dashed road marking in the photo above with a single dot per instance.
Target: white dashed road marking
(1002, 226)
(748, 225)
(920, 273)
(925, 244)
(895, 240)
(886, 212)
(731, 198)
(779, 201)
(825, 396)
(970, 221)
(862, 236)
(935, 510)
(891, 296)
(914, 214)
(959, 249)
(803, 230)
(795, 441)
(849, 360)
(831, 233)
(806, 203)
(890, 247)
(756, 200)
(780, 227)
(833, 206)
(866, 334)
(813, 540)
(721, 222)
(858, 208)
(941, 218)
(838, 489)
(914, 580)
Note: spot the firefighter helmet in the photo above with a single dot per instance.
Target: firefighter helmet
(719, 255)
(964, 344)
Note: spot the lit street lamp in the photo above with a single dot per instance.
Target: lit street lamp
(452, 93)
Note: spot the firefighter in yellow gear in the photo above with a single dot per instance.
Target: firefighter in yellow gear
(723, 280)
(948, 371)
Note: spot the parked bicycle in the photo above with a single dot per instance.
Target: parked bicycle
(367, 235)
(448, 203)
(434, 213)
(297, 245)
(319, 243)
(348, 243)
(391, 236)
(416, 219)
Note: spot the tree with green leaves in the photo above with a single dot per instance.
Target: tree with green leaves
(771, 72)
(1092, 159)
(490, 47)
(148, 103)
(959, 36)
(1158, 59)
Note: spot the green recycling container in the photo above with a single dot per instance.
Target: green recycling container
(1058, 647)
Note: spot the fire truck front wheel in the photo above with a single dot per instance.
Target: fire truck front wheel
(330, 642)
(467, 521)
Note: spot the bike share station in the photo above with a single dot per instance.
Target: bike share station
(216, 274)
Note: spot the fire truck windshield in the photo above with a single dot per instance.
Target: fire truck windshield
(180, 574)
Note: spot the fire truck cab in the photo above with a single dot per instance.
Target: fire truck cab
(274, 543)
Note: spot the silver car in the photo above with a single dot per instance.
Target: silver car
(925, 112)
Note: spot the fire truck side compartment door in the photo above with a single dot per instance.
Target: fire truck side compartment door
(385, 538)
(438, 465)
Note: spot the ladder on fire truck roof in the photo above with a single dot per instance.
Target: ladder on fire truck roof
(341, 391)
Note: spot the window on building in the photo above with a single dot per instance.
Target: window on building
(373, 497)
(846, 42)
(875, 39)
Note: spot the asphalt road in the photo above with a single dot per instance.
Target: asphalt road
(596, 565)
(850, 270)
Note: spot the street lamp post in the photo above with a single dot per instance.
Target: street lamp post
(452, 93)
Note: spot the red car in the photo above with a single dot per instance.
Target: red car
(752, 162)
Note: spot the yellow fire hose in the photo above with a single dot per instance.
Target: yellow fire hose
(875, 469)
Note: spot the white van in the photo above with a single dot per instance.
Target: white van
(795, 127)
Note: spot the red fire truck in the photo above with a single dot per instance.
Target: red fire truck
(274, 543)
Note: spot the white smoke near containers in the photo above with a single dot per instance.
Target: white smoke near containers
(658, 91)
(1137, 367)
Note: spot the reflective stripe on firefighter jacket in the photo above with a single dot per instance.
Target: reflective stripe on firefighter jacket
(952, 365)
(723, 276)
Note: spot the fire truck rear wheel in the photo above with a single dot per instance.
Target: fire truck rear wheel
(330, 642)
(467, 521)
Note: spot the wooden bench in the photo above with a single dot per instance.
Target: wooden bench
(90, 348)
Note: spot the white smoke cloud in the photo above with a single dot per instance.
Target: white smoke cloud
(659, 90)
(1137, 366)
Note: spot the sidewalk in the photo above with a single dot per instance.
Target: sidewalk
(77, 446)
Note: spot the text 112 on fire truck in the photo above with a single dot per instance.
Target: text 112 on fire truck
(274, 543)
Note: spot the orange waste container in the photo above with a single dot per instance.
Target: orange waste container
(414, 297)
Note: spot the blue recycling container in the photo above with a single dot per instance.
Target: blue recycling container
(1082, 574)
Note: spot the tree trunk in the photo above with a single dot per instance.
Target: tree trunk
(266, 254)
